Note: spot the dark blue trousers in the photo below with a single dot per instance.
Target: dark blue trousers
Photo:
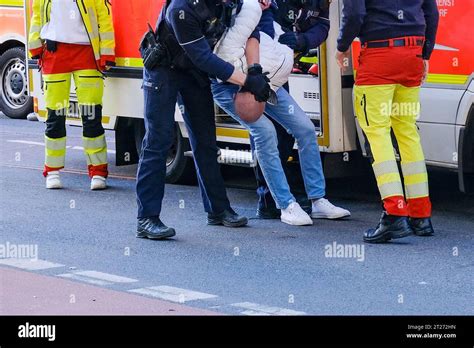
(161, 89)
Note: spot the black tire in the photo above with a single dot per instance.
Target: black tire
(179, 168)
(14, 99)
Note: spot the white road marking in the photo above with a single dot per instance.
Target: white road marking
(98, 278)
(257, 309)
(25, 142)
(106, 276)
(84, 279)
(29, 264)
(170, 293)
(42, 144)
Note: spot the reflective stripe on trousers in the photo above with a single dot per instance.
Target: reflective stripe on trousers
(379, 109)
(55, 152)
(89, 88)
(95, 150)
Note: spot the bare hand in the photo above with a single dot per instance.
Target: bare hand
(343, 59)
(426, 64)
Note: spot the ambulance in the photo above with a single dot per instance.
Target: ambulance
(14, 99)
(446, 121)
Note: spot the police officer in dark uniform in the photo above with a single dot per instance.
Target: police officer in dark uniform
(180, 63)
(306, 26)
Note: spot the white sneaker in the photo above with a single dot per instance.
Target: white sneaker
(294, 215)
(323, 209)
(53, 181)
(98, 183)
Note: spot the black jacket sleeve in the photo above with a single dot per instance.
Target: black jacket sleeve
(431, 13)
(187, 29)
(318, 32)
(353, 14)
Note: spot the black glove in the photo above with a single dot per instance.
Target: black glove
(257, 84)
(51, 46)
(293, 40)
(255, 69)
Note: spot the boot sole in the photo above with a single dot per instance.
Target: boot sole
(144, 234)
(387, 237)
(381, 239)
(229, 224)
(424, 233)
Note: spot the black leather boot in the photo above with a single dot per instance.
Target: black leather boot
(421, 226)
(153, 228)
(228, 218)
(389, 227)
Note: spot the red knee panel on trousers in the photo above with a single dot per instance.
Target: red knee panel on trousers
(395, 205)
(68, 58)
(391, 65)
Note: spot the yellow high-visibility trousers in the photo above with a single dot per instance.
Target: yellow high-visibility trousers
(380, 108)
(89, 88)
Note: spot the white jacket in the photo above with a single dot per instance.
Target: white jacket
(275, 58)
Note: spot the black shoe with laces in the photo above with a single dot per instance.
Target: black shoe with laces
(421, 226)
(154, 228)
(228, 218)
(389, 227)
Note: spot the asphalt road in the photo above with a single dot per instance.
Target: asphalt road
(267, 268)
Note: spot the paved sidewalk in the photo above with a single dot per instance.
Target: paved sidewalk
(25, 293)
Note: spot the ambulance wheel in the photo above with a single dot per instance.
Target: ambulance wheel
(180, 168)
(14, 99)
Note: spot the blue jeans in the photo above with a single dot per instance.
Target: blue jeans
(161, 87)
(296, 122)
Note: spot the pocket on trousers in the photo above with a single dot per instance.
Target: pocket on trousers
(360, 108)
(363, 108)
(52, 82)
(154, 79)
(152, 94)
(152, 86)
